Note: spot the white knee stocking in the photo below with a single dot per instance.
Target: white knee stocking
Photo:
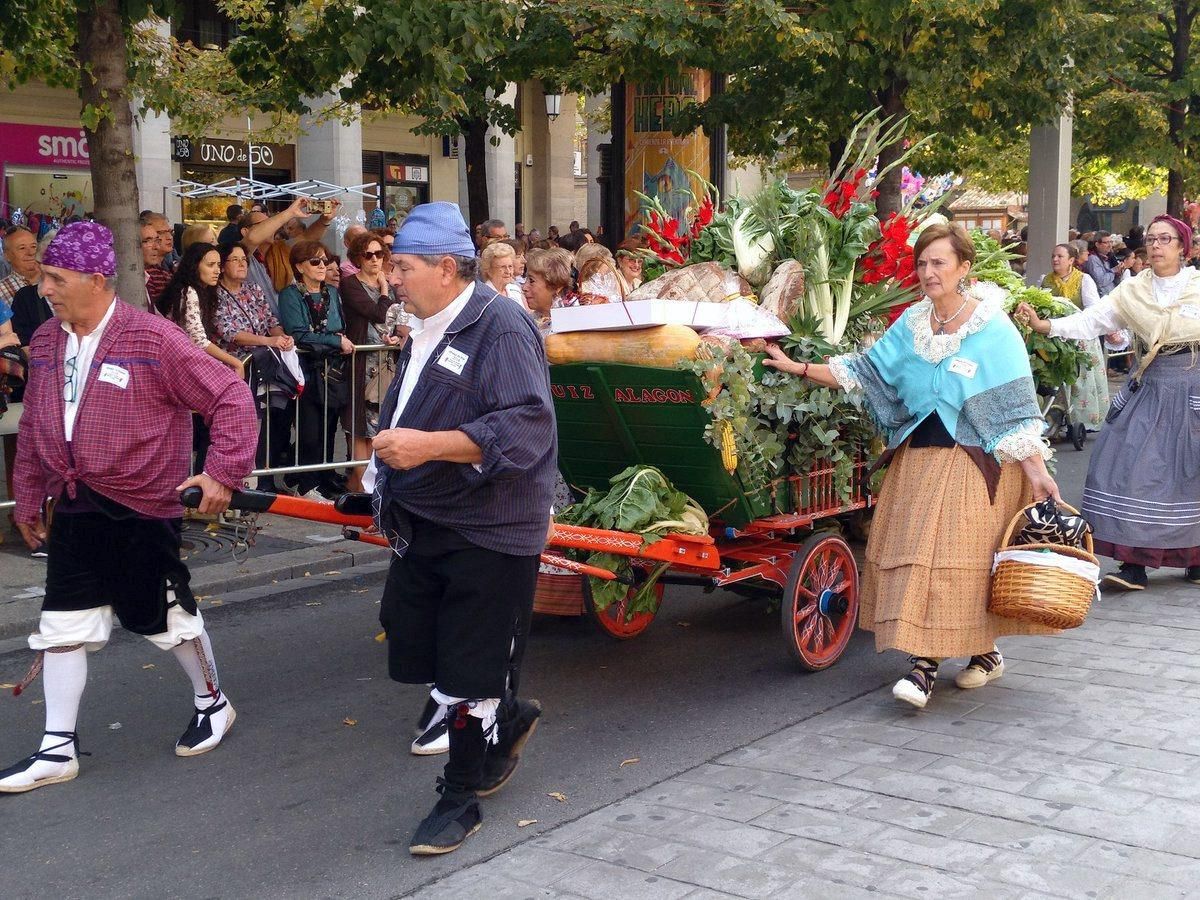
(200, 669)
(63, 678)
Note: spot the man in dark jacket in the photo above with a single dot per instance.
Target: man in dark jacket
(462, 479)
(30, 309)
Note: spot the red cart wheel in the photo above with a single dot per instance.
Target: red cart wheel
(612, 620)
(820, 602)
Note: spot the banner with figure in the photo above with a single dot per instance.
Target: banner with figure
(656, 161)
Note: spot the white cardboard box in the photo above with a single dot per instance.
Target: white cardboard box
(638, 314)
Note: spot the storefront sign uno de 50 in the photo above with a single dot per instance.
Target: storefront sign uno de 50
(43, 145)
(231, 154)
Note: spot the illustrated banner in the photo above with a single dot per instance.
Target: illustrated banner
(656, 161)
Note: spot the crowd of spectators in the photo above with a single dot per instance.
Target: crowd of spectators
(267, 285)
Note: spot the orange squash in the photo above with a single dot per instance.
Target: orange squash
(662, 346)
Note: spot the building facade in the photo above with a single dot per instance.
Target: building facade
(44, 161)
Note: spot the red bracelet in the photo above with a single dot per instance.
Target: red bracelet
(804, 374)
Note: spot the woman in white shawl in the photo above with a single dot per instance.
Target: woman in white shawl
(1143, 486)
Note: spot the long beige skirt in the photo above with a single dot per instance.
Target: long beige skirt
(929, 557)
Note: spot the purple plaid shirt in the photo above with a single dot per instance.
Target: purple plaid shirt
(133, 443)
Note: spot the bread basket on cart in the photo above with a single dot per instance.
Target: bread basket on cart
(1044, 583)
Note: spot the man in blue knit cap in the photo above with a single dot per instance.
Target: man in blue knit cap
(462, 479)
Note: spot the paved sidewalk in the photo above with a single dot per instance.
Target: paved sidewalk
(1075, 775)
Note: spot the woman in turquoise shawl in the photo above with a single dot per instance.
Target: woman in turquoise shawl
(950, 388)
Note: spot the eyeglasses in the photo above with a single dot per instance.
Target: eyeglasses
(70, 389)
(317, 261)
(375, 254)
(1161, 239)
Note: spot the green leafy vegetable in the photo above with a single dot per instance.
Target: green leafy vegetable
(640, 500)
(1054, 361)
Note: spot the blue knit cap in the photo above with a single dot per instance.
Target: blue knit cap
(434, 229)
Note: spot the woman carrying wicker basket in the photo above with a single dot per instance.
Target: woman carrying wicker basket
(950, 387)
(1142, 495)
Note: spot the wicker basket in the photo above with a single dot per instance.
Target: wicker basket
(1044, 595)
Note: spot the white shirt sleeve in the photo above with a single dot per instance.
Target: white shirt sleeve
(1090, 294)
(1101, 317)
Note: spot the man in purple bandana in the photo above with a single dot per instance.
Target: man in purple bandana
(106, 437)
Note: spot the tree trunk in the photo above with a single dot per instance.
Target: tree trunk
(893, 106)
(1175, 193)
(104, 87)
(1177, 112)
(475, 155)
(837, 148)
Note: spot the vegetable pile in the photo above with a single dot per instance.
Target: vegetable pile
(827, 266)
(640, 500)
(1054, 361)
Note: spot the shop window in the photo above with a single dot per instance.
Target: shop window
(48, 193)
(202, 22)
(211, 210)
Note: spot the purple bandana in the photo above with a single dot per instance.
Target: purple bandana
(1182, 228)
(83, 247)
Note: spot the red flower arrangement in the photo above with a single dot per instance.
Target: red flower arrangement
(890, 258)
(670, 239)
(842, 193)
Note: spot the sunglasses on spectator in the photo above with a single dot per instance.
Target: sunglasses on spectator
(375, 254)
(317, 261)
(1161, 239)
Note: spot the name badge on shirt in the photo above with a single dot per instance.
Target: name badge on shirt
(114, 375)
(1189, 311)
(963, 367)
(452, 359)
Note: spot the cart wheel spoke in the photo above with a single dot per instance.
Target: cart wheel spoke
(824, 632)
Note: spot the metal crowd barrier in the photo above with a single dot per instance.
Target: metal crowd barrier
(378, 358)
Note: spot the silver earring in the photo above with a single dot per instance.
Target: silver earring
(962, 285)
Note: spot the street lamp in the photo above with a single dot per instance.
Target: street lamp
(553, 104)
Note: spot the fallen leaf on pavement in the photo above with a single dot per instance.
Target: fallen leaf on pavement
(349, 722)
(115, 726)
(334, 572)
(525, 823)
(306, 574)
(558, 795)
(6, 686)
(314, 603)
(216, 602)
(684, 624)
(381, 637)
(360, 591)
(632, 761)
(149, 666)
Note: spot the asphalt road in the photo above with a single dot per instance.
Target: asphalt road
(314, 794)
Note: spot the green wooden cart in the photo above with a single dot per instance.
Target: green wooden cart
(765, 539)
